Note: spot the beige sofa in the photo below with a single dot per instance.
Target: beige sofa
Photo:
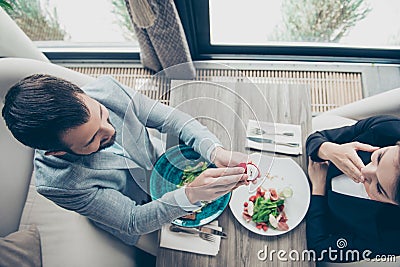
(383, 103)
(67, 239)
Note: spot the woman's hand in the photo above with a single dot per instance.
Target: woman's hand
(317, 173)
(345, 157)
(214, 182)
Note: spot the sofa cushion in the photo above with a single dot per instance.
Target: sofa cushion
(21, 249)
(324, 122)
(69, 239)
(383, 103)
(15, 173)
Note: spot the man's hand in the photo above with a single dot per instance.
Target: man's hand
(225, 158)
(345, 157)
(317, 173)
(214, 182)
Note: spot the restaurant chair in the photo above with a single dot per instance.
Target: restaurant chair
(384, 103)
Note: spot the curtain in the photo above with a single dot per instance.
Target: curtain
(161, 38)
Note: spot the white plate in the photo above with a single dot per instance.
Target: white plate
(286, 172)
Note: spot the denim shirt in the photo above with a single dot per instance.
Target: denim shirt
(109, 188)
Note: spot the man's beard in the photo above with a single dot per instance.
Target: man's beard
(109, 143)
(112, 139)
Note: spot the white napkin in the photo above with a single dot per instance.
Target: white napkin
(345, 185)
(190, 242)
(270, 127)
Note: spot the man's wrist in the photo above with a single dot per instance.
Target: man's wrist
(216, 151)
(189, 195)
(183, 201)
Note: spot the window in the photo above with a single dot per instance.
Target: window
(366, 23)
(311, 30)
(75, 25)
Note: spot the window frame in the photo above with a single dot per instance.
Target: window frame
(119, 52)
(194, 15)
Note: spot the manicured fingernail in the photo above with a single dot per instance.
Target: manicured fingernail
(362, 179)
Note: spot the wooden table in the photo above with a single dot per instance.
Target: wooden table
(225, 109)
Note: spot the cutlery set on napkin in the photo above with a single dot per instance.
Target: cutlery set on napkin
(202, 240)
(274, 137)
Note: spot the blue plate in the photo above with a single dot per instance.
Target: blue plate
(167, 174)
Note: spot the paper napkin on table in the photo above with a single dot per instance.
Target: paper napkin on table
(270, 128)
(190, 242)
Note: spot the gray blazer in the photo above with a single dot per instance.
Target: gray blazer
(109, 188)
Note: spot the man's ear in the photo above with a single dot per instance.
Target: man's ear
(55, 153)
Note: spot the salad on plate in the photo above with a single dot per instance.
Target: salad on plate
(266, 208)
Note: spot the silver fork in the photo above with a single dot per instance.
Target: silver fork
(207, 237)
(194, 231)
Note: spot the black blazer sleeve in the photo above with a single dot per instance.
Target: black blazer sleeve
(383, 130)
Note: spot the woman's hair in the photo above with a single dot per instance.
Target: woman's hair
(39, 109)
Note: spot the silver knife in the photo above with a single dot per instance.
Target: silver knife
(206, 230)
(270, 141)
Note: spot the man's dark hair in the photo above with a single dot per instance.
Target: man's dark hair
(39, 109)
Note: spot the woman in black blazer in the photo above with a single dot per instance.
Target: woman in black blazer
(343, 227)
